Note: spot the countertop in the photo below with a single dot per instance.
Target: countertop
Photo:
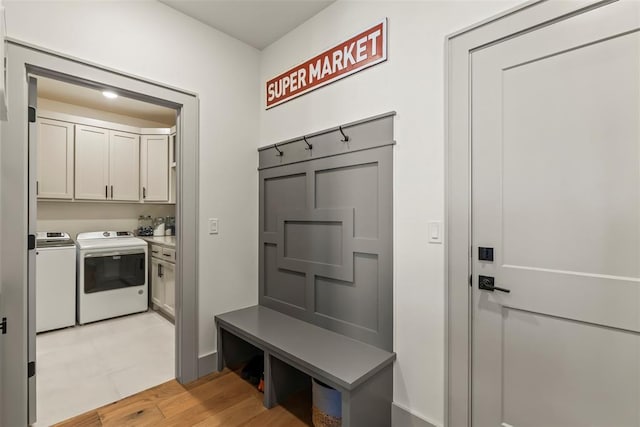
(167, 241)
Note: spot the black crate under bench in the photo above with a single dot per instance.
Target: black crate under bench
(295, 350)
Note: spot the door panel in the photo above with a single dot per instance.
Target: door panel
(124, 166)
(92, 163)
(556, 193)
(55, 159)
(155, 168)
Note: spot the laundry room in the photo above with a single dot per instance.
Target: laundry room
(105, 245)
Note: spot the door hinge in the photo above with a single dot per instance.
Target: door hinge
(32, 115)
(31, 242)
(31, 369)
(3, 326)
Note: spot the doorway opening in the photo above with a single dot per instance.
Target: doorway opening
(105, 257)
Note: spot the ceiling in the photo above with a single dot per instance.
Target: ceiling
(79, 95)
(257, 23)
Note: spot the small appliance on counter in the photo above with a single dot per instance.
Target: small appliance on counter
(55, 281)
(170, 226)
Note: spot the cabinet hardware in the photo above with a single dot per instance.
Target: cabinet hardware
(106, 191)
(37, 188)
(3, 326)
(144, 192)
(160, 270)
(112, 192)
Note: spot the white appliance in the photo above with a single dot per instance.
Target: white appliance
(112, 275)
(55, 281)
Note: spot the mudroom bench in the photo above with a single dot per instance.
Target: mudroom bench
(295, 350)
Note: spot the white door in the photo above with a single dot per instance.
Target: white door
(124, 166)
(92, 163)
(155, 168)
(55, 159)
(556, 194)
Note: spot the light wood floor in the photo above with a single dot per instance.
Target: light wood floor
(222, 399)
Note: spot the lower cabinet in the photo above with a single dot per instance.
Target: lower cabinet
(163, 282)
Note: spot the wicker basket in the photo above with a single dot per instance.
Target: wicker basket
(327, 405)
(320, 419)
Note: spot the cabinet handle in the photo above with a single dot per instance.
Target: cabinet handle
(37, 188)
(106, 191)
(112, 192)
(144, 192)
(159, 270)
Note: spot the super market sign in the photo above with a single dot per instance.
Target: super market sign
(361, 51)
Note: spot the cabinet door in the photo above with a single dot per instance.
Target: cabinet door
(92, 163)
(155, 168)
(157, 283)
(124, 166)
(169, 279)
(55, 159)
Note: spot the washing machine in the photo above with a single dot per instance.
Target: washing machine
(55, 281)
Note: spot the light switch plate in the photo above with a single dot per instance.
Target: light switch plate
(213, 225)
(435, 230)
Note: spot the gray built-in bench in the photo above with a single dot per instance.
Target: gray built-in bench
(295, 350)
(326, 272)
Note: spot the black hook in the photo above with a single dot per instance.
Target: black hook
(280, 153)
(345, 137)
(309, 146)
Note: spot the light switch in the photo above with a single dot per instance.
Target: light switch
(213, 225)
(435, 231)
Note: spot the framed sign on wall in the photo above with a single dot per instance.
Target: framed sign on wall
(361, 51)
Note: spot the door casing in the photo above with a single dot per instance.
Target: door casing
(459, 46)
(25, 60)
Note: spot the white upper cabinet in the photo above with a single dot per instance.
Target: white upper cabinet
(124, 166)
(155, 168)
(55, 159)
(92, 163)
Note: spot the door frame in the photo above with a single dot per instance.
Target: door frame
(458, 255)
(24, 60)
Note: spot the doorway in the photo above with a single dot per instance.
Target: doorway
(544, 203)
(19, 189)
(105, 165)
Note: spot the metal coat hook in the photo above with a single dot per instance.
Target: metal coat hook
(309, 146)
(345, 137)
(280, 153)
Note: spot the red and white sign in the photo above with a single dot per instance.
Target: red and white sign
(357, 53)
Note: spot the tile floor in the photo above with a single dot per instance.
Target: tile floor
(85, 367)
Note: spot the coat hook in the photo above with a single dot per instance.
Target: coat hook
(345, 137)
(309, 146)
(280, 153)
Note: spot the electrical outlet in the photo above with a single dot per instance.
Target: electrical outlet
(213, 225)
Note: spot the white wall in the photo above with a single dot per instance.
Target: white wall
(411, 82)
(153, 41)
(79, 217)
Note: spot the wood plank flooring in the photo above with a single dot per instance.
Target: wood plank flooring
(221, 399)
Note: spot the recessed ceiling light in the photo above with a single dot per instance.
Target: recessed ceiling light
(109, 94)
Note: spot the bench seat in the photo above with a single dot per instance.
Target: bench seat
(361, 372)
